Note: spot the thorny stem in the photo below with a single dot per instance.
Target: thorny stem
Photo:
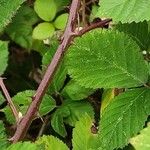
(67, 38)
(9, 100)
(93, 26)
(33, 108)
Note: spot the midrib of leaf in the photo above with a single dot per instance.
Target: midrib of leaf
(122, 116)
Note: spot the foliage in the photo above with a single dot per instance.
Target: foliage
(50, 143)
(8, 9)
(123, 118)
(20, 30)
(124, 10)
(113, 71)
(43, 31)
(99, 96)
(70, 113)
(141, 141)
(82, 136)
(3, 56)
(3, 138)
(48, 104)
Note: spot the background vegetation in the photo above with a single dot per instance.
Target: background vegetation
(74, 74)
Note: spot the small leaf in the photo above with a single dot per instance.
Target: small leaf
(141, 141)
(8, 8)
(83, 138)
(22, 101)
(122, 119)
(77, 110)
(51, 143)
(113, 62)
(61, 21)
(43, 31)
(57, 121)
(3, 56)
(23, 146)
(70, 113)
(125, 10)
(20, 30)
(3, 138)
(74, 91)
(46, 9)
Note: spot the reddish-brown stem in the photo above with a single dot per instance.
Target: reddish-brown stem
(67, 38)
(9, 100)
(93, 26)
(33, 108)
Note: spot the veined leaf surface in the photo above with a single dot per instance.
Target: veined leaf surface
(125, 10)
(107, 59)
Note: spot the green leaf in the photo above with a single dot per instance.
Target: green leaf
(123, 118)
(57, 121)
(3, 138)
(114, 61)
(20, 30)
(51, 143)
(125, 10)
(61, 21)
(7, 10)
(43, 31)
(46, 9)
(2, 99)
(107, 97)
(138, 31)
(141, 141)
(3, 56)
(70, 113)
(83, 138)
(22, 101)
(60, 76)
(78, 110)
(23, 146)
(74, 91)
